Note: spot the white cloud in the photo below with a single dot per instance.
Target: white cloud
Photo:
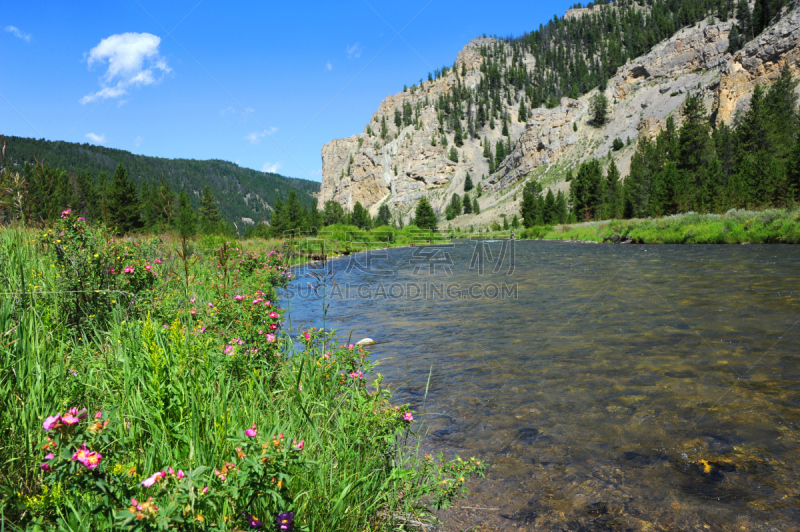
(138, 141)
(97, 139)
(256, 136)
(354, 51)
(329, 66)
(133, 61)
(16, 32)
(272, 168)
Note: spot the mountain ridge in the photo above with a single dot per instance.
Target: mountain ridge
(552, 140)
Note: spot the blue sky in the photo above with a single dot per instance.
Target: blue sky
(265, 84)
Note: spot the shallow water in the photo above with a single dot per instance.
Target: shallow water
(596, 391)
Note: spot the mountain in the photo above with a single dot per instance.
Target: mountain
(244, 196)
(511, 110)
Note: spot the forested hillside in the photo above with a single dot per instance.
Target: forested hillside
(239, 192)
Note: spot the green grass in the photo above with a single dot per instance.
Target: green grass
(771, 226)
(178, 400)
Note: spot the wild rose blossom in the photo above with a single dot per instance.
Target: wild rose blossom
(193, 312)
(300, 445)
(157, 261)
(93, 460)
(49, 456)
(408, 417)
(128, 269)
(45, 466)
(237, 297)
(65, 214)
(251, 432)
(270, 337)
(98, 415)
(307, 336)
(51, 422)
(152, 479)
(181, 474)
(274, 315)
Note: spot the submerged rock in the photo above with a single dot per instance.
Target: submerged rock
(366, 341)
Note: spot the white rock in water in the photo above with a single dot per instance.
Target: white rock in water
(366, 341)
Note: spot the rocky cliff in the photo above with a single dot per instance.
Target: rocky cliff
(413, 161)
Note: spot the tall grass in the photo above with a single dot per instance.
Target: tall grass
(769, 226)
(178, 399)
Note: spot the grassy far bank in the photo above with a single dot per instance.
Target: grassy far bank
(142, 388)
(770, 226)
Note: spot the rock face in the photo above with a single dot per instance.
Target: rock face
(548, 134)
(759, 62)
(412, 161)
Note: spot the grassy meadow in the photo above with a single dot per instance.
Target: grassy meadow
(151, 384)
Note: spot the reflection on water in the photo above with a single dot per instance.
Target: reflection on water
(625, 388)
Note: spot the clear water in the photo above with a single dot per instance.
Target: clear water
(597, 391)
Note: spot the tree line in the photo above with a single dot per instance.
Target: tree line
(239, 192)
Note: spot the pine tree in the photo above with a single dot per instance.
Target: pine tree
(424, 217)
(314, 220)
(529, 209)
(384, 128)
(476, 208)
(277, 220)
(468, 183)
(487, 151)
(210, 217)
(614, 198)
(549, 213)
(453, 154)
(598, 108)
(522, 114)
(88, 196)
(467, 204)
(360, 216)
(124, 208)
(587, 190)
(333, 213)
(187, 225)
(384, 216)
(454, 208)
(294, 213)
(165, 206)
(695, 144)
(505, 127)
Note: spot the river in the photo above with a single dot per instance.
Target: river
(610, 387)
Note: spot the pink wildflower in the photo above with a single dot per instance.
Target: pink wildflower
(171, 471)
(274, 315)
(237, 297)
(205, 490)
(51, 422)
(193, 300)
(157, 261)
(299, 446)
(408, 417)
(202, 330)
(45, 466)
(357, 375)
(251, 432)
(273, 326)
(81, 454)
(228, 350)
(307, 336)
(98, 415)
(149, 481)
(193, 312)
(112, 271)
(65, 214)
(128, 269)
(49, 456)
(270, 337)
(134, 502)
(180, 473)
(211, 305)
(93, 460)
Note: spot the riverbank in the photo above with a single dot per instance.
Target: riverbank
(142, 383)
(771, 226)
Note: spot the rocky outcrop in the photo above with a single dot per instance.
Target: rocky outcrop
(759, 62)
(691, 50)
(548, 134)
